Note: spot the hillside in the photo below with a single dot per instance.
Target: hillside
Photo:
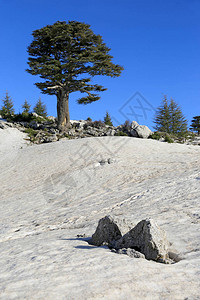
(51, 193)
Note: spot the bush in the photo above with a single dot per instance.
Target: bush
(31, 133)
(127, 125)
(163, 136)
(121, 133)
(96, 124)
(89, 119)
(155, 136)
(168, 139)
(26, 117)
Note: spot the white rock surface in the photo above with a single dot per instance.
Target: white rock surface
(51, 193)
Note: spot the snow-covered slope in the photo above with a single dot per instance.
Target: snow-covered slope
(51, 193)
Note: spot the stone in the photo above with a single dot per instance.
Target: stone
(51, 118)
(148, 238)
(143, 131)
(107, 232)
(134, 125)
(130, 252)
(140, 131)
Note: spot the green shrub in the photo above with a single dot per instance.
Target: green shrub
(168, 139)
(89, 119)
(155, 136)
(121, 133)
(31, 133)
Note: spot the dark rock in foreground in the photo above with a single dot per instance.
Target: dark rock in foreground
(107, 232)
(146, 239)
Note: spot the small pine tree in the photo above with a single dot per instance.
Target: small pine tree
(40, 108)
(162, 117)
(169, 118)
(107, 119)
(7, 110)
(26, 107)
(195, 125)
(178, 122)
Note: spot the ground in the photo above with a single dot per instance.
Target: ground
(51, 193)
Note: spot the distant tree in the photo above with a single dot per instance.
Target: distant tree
(67, 56)
(169, 118)
(195, 124)
(40, 108)
(107, 119)
(7, 109)
(26, 107)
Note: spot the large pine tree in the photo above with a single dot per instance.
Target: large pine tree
(169, 118)
(67, 56)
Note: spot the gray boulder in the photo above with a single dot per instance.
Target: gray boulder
(148, 238)
(107, 232)
(140, 131)
(143, 131)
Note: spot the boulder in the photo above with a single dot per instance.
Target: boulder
(107, 232)
(143, 131)
(147, 238)
(140, 131)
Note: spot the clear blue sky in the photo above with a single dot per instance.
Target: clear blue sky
(156, 41)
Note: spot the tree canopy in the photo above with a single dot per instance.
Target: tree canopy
(40, 108)
(195, 124)
(66, 56)
(7, 109)
(169, 118)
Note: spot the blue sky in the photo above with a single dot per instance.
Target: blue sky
(156, 41)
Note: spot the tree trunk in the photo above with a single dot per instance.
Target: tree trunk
(63, 109)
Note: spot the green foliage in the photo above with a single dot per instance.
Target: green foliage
(26, 117)
(40, 108)
(107, 119)
(26, 107)
(168, 139)
(89, 119)
(169, 118)
(7, 109)
(127, 125)
(164, 136)
(156, 136)
(66, 56)
(121, 133)
(195, 125)
(31, 133)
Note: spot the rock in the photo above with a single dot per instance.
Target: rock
(107, 232)
(110, 132)
(143, 131)
(36, 115)
(111, 160)
(140, 131)
(35, 125)
(103, 162)
(2, 125)
(51, 118)
(134, 125)
(130, 252)
(148, 238)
